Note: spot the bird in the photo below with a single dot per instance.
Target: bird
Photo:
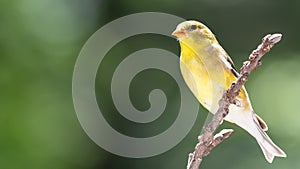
(208, 72)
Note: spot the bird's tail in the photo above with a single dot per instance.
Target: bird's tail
(255, 126)
(267, 146)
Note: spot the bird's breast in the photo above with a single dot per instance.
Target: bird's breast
(207, 76)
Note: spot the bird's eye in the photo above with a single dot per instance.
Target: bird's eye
(193, 27)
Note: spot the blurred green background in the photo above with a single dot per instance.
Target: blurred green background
(40, 41)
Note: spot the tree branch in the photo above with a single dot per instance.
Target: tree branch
(207, 141)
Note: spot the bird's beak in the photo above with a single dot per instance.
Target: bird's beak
(179, 33)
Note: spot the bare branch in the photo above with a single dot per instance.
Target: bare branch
(207, 141)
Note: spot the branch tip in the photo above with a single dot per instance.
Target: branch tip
(275, 38)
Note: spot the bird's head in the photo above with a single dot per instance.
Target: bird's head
(194, 32)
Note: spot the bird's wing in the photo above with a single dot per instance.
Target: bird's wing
(227, 61)
(232, 68)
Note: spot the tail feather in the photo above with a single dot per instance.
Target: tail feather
(269, 156)
(268, 147)
(255, 126)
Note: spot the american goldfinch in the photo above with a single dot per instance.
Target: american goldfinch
(208, 71)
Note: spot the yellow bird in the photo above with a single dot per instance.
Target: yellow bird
(208, 71)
